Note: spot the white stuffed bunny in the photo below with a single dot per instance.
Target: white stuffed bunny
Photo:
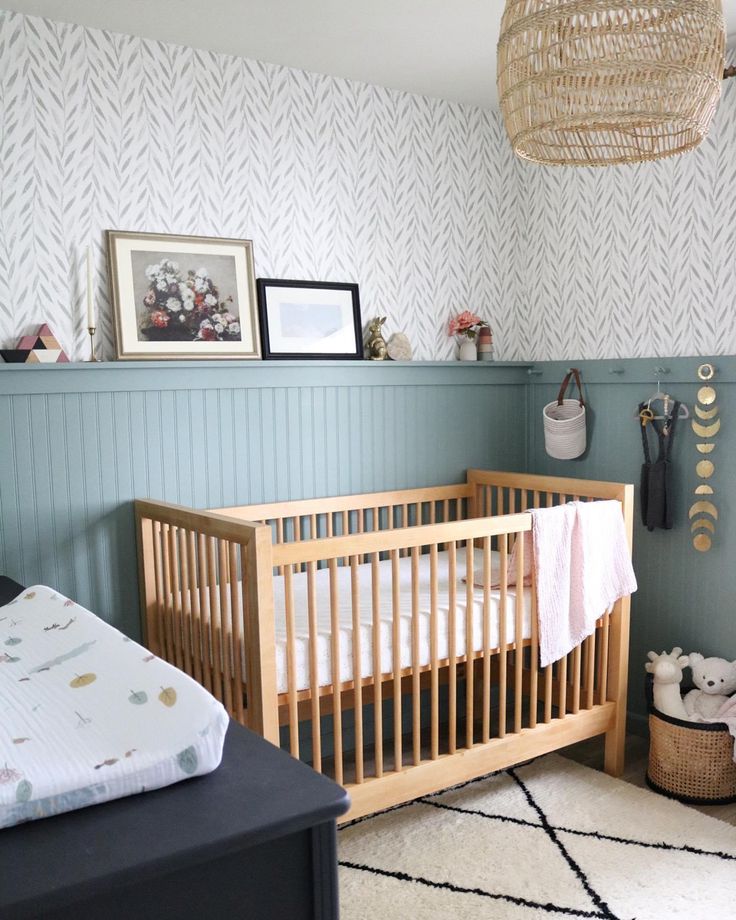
(715, 680)
(667, 671)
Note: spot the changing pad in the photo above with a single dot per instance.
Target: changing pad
(88, 715)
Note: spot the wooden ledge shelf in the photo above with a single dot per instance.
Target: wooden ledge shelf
(130, 376)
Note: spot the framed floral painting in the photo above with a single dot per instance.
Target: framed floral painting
(182, 296)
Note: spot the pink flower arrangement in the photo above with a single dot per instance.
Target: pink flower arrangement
(465, 323)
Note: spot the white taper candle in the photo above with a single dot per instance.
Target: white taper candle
(90, 301)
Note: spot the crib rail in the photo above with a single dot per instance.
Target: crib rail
(343, 515)
(207, 600)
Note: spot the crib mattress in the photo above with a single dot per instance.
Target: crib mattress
(88, 715)
(324, 648)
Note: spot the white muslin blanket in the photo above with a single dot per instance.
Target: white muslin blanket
(582, 566)
(87, 715)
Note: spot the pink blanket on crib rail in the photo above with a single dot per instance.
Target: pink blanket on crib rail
(582, 566)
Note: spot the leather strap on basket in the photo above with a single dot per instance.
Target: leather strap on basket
(572, 373)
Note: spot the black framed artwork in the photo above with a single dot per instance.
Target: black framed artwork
(309, 320)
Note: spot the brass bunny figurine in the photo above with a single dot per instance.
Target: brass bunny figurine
(376, 342)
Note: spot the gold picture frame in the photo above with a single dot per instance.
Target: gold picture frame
(182, 297)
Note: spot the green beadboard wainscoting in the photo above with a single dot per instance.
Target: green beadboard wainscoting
(685, 597)
(79, 442)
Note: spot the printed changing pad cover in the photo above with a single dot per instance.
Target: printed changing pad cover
(88, 715)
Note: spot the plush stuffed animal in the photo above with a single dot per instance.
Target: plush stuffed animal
(715, 680)
(667, 671)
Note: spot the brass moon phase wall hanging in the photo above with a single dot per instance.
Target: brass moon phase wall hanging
(702, 524)
(705, 469)
(703, 508)
(707, 411)
(702, 542)
(706, 431)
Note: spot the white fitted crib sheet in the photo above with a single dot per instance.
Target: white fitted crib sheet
(88, 715)
(324, 633)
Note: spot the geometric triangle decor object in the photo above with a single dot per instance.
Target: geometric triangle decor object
(41, 348)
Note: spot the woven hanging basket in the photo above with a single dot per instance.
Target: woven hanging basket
(602, 82)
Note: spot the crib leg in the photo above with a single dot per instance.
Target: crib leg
(613, 758)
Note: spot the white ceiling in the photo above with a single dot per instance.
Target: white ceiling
(444, 48)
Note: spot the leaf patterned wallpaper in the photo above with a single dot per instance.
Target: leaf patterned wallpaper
(332, 180)
(418, 200)
(630, 261)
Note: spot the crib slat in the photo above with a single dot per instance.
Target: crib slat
(158, 578)
(227, 684)
(217, 688)
(196, 621)
(603, 674)
(313, 526)
(452, 643)
(314, 668)
(280, 539)
(590, 670)
(548, 693)
(469, 645)
(357, 683)
(377, 687)
(519, 633)
(435, 674)
(361, 529)
(174, 590)
(415, 675)
(503, 542)
(238, 604)
(291, 661)
(576, 679)
(345, 532)
(204, 609)
(396, 655)
(404, 523)
(562, 687)
(186, 606)
(486, 727)
(336, 676)
(169, 654)
(534, 651)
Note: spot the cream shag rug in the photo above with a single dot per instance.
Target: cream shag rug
(547, 839)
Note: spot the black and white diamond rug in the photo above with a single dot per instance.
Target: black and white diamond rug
(551, 838)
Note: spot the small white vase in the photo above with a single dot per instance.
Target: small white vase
(468, 350)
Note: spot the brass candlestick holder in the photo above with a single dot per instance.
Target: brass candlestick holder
(91, 330)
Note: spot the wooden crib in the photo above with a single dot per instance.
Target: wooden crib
(382, 637)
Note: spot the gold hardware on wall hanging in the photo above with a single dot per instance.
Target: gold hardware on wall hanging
(703, 524)
(705, 469)
(707, 395)
(706, 431)
(704, 507)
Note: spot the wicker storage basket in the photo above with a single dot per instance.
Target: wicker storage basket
(690, 761)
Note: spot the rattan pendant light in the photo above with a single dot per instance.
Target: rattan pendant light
(601, 82)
